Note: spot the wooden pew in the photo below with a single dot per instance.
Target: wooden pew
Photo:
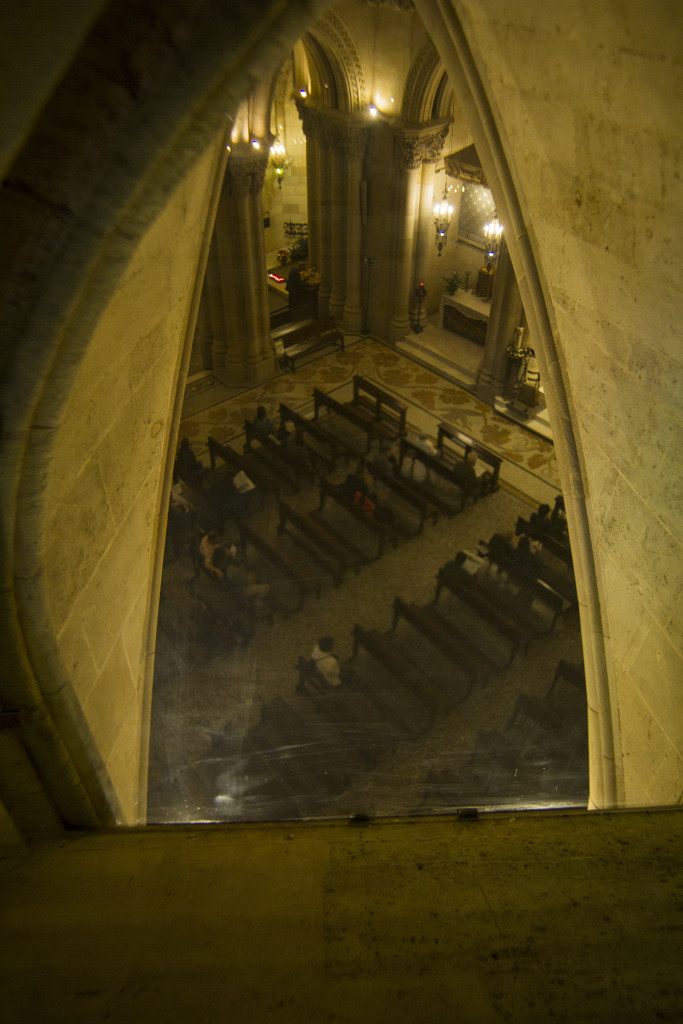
(276, 557)
(538, 588)
(444, 635)
(382, 532)
(398, 485)
(463, 586)
(349, 711)
(322, 400)
(323, 545)
(410, 685)
(259, 475)
(428, 491)
(379, 407)
(452, 445)
(268, 451)
(416, 683)
(325, 446)
(309, 339)
(551, 543)
(574, 674)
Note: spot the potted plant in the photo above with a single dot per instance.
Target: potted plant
(453, 282)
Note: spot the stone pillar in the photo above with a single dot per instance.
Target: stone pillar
(497, 374)
(310, 123)
(242, 345)
(355, 141)
(326, 156)
(408, 159)
(203, 335)
(337, 201)
(425, 242)
(412, 148)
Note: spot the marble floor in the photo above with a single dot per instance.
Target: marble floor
(233, 739)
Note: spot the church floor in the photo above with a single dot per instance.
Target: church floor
(233, 738)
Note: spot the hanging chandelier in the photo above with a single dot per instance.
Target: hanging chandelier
(443, 212)
(279, 161)
(492, 232)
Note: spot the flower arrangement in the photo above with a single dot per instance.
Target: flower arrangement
(453, 282)
(282, 256)
(310, 275)
(516, 355)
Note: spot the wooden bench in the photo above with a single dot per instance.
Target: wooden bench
(379, 407)
(445, 636)
(323, 545)
(452, 444)
(382, 532)
(507, 604)
(349, 711)
(463, 586)
(321, 400)
(398, 485)
(276, 557)
(259, 475)
(409, 684)
(574, 674)
(536, 587)
(325, 448)
(441, 469)
(309, 339)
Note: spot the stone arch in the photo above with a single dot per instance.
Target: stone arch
(423, 86)
(78, 213)
(333, 55)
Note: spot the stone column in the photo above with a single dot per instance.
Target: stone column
(412, 148)
(408, 159)
(310, 123)
(355, 141)
(496, 373)
(337, 202)
(243, 347)
(326, 156)
(424, 243)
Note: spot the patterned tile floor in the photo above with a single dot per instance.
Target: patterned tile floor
(529, 465)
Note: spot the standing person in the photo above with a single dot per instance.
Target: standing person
(295, 287)
(325, 661)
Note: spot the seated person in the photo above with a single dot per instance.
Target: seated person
(525, 558)
(296, 452)
(412, 468)
(325, 661)
(425, 444)
(260, 428)
(465, 475)
(241, 579)
(383, 460)
(209, 545)
(187, 466)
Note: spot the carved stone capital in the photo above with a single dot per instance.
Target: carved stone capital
(245, 174)
(350, 140)
(419, 146)
(408, 152)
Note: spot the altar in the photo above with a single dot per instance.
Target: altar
(465, 313)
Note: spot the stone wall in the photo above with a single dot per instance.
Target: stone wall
(103, 490)
(581, 102)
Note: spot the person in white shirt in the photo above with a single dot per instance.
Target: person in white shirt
(325, 661)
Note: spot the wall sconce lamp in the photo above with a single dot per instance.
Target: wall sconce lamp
(492, 232)
(279, 161)
(443, 212)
